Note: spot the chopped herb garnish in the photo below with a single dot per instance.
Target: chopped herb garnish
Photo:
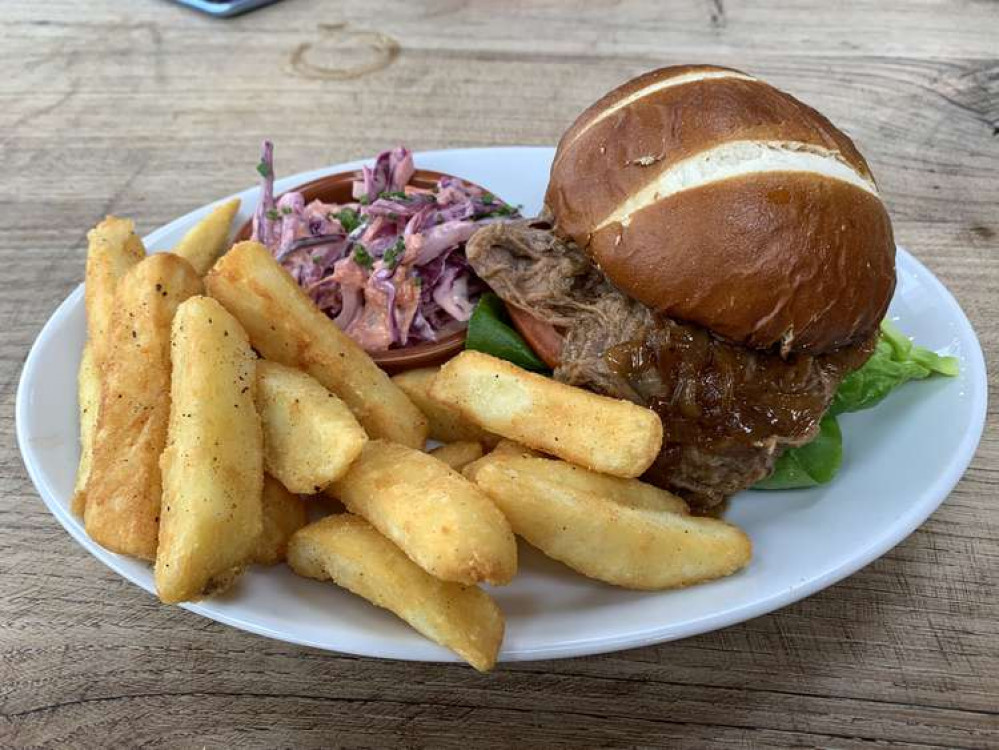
(286, 210)
(488, 199)
(392, 194)
(263, 170)
(317, 259)
(364, 200)
(394, 253)
(393, 216)
(362, 257)
(273, 215)
(348, 218)
(505, 211)
(418, 280)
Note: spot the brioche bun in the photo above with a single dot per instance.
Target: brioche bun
(716, 199)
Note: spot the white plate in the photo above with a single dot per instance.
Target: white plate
(901, 460)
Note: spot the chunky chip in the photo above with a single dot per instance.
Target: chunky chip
(213, 465)
(124, 489)
(604, 434)
(625, 543)
(437, 517)
(310, 436)
(351, 553)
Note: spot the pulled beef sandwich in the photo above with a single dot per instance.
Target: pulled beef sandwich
(711, 248)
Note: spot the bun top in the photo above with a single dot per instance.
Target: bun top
(716, 199)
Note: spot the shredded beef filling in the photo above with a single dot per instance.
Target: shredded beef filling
(727, 411)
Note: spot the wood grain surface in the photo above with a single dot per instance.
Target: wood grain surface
(148, 110)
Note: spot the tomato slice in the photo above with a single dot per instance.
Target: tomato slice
(544, 338)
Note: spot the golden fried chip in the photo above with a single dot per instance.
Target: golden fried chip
(457, 455)
(284, 514)
(209, 238)
(440, 519)
(213, 464)
(623, 543)
(604, 434)
(124, 489)
(310, 436)
(446, 424)
(351, 553)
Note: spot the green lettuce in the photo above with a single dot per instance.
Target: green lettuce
(896, 360)
(808, 465)
(490, 331)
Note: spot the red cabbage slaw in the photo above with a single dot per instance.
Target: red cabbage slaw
(389, 267)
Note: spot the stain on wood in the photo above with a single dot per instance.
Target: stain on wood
(343, 53)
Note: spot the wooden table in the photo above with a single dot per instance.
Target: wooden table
(148, 110)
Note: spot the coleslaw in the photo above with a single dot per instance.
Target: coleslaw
(389, 267)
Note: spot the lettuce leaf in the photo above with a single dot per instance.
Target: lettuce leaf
(490, 331)
(808, 465)
(896, 360)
